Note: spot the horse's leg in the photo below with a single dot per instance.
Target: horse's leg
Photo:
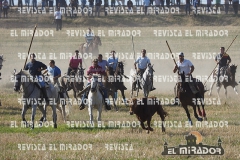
(195, 113)
(149, 124)
(99, 112)
(24, 110)
(142, 125)
(211, 87)
(188, 114)
(54, 115)
(123, 96)
(218, 89)
(235, 89)
(90, 113)
(34, 107)
(114, 99)
(43, 118)
(61, 110)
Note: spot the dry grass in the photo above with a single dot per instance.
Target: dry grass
(144, 146)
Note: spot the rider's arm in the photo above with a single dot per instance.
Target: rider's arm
(229, 60)
(216, 59)
(175, 69)
(136, 63)
(191, 69)
(58, 73)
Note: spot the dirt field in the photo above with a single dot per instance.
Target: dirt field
(201, 50)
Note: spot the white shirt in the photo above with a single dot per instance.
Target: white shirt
(142, 62)
(185, 66)
(57, 15)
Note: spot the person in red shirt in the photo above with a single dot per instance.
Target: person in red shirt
(74, 63)
(95, 69)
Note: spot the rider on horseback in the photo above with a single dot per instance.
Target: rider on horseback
(89, 38)
(185, 66)
(35, 68)
(95, 69)
(142, 62)
(74, 63)
(223, 60)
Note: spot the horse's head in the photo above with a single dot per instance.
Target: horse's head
(97, 40)
(17, 80)
(233, 69)
(149, 70)
(1, 61)
(132, 106)
(80, 72)
(94, 82)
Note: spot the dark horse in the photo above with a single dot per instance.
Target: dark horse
(187, 97)
(93, 46)
(228, 74)
(75, 79)
(114, 82)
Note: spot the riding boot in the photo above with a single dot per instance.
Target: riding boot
(44, 92)
(104, 94)
(134, 86)
(82, 105)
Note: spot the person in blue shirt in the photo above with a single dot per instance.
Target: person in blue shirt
(89, 37)
(53, 71)
(35, 68)
(142, 62)
(113, 61)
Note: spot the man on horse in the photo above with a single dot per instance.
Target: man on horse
(185, 66)
(142, 62)
(89, 38)
(102, 63)
(35, 68)
(113, 61)
(74, 63)
(223, 60)
(53, 71)
(95, 69)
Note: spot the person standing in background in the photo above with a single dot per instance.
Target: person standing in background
(58, 18)
(226, 2)
(5, 8)
(235, 6)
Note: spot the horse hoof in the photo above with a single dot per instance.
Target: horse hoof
(200, 119)
(151, 129)
(190, 123)
(55, 125)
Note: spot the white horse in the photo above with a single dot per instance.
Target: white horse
(62, 102)
(145, 81)
(95, 98)
(32, 95)
(226, 78)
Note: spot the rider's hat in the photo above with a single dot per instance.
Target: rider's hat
(77, 51)
(181, 54)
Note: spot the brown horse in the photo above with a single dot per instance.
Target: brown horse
(114, 82)
(76, 83)
(93, 46)
(229, 79)
(186, 97)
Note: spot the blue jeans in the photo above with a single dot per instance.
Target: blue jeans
(41, 80)
(187, 8)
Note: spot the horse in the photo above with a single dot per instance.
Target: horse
(225, 80)
(76, 83)
(186, 97)
(145, 82)
(95, 98)
(32, 95)
(1, 61)
(93, 46)
(114, 82)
